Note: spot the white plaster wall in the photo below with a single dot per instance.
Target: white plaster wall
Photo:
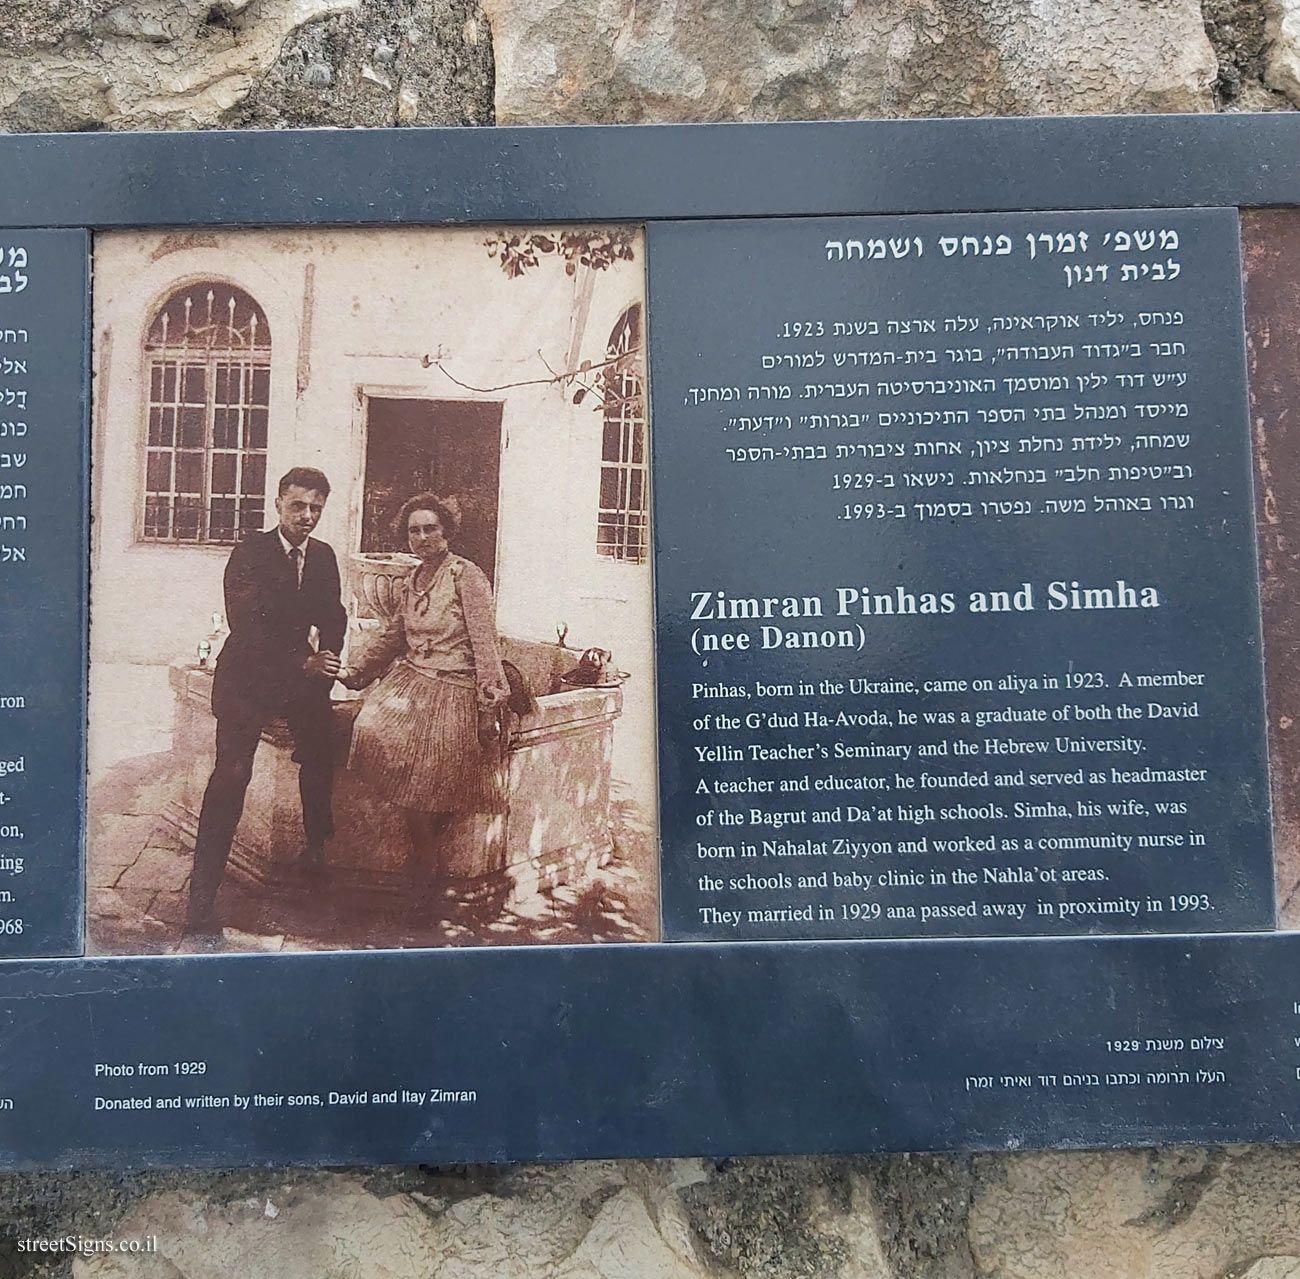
(386, 305)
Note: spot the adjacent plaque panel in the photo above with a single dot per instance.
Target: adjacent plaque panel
(956, 580)
(43, 511)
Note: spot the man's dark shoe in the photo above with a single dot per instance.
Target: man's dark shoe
(201, 936)
(312, 866)
(206, 925)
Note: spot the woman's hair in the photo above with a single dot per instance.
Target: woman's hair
(447, 509)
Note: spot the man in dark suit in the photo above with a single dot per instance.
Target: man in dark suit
(278, 585)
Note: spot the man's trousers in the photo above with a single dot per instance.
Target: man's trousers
(238, 732)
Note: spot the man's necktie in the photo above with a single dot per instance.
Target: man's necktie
(295, 557)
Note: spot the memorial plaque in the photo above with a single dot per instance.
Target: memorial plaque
(934, 668)
(957, 597)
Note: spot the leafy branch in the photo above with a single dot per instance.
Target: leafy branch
(595, 247)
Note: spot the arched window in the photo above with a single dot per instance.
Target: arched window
(208, 369)
(622, 529)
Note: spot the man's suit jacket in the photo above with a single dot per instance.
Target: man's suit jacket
(259, 671)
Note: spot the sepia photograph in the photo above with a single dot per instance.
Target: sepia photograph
(371, 652)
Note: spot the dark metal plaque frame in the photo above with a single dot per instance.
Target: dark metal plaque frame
(678, 1049)
(648, 172)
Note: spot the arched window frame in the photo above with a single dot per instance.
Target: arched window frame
(207, 382)
(622, 522)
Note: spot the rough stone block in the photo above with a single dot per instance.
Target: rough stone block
(590, 61)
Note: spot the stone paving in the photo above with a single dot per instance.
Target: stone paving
(138, 869)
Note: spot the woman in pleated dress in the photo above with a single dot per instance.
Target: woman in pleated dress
(416, 739)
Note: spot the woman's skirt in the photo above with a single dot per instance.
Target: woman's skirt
(415, 741)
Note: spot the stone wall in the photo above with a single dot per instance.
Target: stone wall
(148, 64)
(97, 64)
(1169, 1214)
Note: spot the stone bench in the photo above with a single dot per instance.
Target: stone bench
(552, 829)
